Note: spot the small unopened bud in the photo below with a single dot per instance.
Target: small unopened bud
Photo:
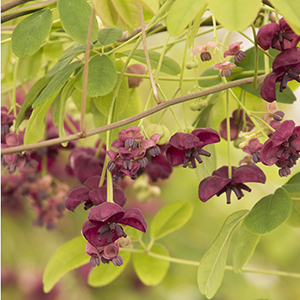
(192, 64)
(279, 115)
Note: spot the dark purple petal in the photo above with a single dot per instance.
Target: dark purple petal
(134, 217)
(286, 60)
(93, 182)
(265, 35)
(206, 136)
(98, 195)
(248, 173)
(174, 155)
(223, 171)
(76, 196)
(183, 141)
(268, 153)
(106, 212)
(283, 132)
(268, 88)
(234, 129)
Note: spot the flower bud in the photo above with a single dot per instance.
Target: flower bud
(192, 64)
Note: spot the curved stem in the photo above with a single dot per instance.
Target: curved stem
(228, 135)
(256, 57)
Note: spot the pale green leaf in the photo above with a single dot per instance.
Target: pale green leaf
(294, 219)
(182, 13)
(195, 28)
(53, 51)
(293, 186)
(77, 98)
(208, 165)
(69, 256)
(30, 33)
(290, 10)
(107, 36)
(244, 247)
(74, 51)
(150, 5)
(106, 273)
(55, 109)
(170, 218)
(106, 11)
(150, 270)
(75, 18)
(56, 83)
(212, 265)
(235, 15)
(269, 212)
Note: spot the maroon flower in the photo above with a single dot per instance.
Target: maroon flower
(185, 147)
(225, 68)
(286, 67)
(236, 125)
(253, 149)
(6, 123)
(279, 36)
(102, 228)
(282, 148)
(139, 69)
(203, 50)
(219, 182)
(234, 50)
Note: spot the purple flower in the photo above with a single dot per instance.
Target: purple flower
(253, 149)
(286, 67)
(203, 50)
(103, 227)
(219, 182)
(186, 147)
(225, 68)
(139, 69)
(234, 50)
(279, 36)
(282, 148)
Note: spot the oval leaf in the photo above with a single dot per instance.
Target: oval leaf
(170, 218)
(212, 265)
(294, 219)
(106, 11)
(30, 33)
(106, 273)
(150, 5)
(293, 186)
(69, 256)
(235, 15)
(182, 13)
(75, 18)
(269, 212)
(150, 270)
(107, 36)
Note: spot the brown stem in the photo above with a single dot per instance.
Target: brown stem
(12, 3)
(141, 115)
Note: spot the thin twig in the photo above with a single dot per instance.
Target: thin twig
(12, 3)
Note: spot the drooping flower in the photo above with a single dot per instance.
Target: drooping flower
(273, 113)
(282, 148)
(225, 68)
(203, 50)
(279, 36)
(220, 183)
(253, 149)
(234, 50)
(139, 69)
(186, 147)
(286, 67)
(103, 227)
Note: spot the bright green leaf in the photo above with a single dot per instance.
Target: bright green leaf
(235, 15)
(106, 11)
(59, 66)
(56, 83)
(53, 51)
(75, 18)
(133, 233)
(208, 165)
(244, 247)
(150, 270)
(212, 265)
(77, 98)
(69, 256)
(294, 219)
(107, 36)
(195, 28)
(150, 5)
(293, 186)
(269, 212)
(106, 273)
(30, 33)
(290, 10)
(170, 218)
(74, 51)
(55, 109)
(182, 13)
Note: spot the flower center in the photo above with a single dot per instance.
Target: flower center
(110, 229)
(281, 36)
(191, 154)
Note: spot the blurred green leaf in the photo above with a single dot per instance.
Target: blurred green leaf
(182, 13)
(53, 51)
(107, 273)
(150, 5)
(74, 51)
(212, 265)
(208, 165)
(294, 219)
(75, 18)
(235, 15)
(133, 233)
(30, 33)
(195, 28)
(69, 256)
(77, 98)
(55, 109)
(150, 270)
(56, 83)
(244, 247)
(107, 36)
(269, 212)
(106, 11)
(293, 186)
(170, 218)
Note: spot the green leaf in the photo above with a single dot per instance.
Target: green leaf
(55, 109)
(106, 11)
(53, 51)
(235, 15)
(269, 212)
(150, 270)
(69, 256)
(102, 76)
(107, 36)
(77, 98)
(212, 265)
(133, 233)
(182, 13)
(290, 10)
(293, 186)
(150, 5)
(208, 165)
(30, 98)
(170, 218)
(56, 83)
(75, 18)
(294, 219)
(30, 33)
(106, 273)
(195, 28)
(244, 247)
(74, 51)
(169, 65)
(129, 11)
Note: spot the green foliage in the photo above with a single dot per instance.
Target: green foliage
(170, 218)
(30, 33)
(106, 11)
(150, 5)
(150, 270)
(212, 265)
(107, 273)
(107, 36)
(293, 186)
(69, 256)
(75, 18)
(182, 13)
(269, 212)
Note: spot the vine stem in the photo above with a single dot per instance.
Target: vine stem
(136, 117)
(12, 3)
